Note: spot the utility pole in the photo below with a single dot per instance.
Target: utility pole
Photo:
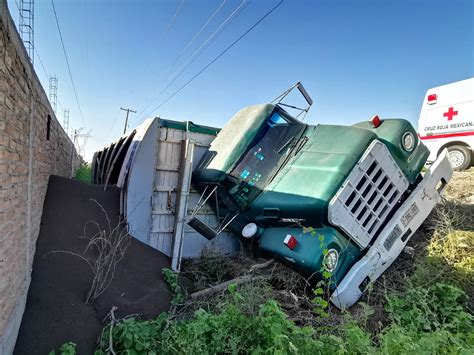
(126, 118)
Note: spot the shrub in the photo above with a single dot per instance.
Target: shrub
(171, 279)
(228, 330)
(83, 173)
(399, 340)
(431, 308)
(68, 348)
(430, 320)
(132, 335)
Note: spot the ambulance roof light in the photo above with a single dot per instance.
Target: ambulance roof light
(432, 98)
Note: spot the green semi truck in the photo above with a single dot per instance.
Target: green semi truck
(340, 199)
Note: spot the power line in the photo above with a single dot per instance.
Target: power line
(113, 125)
(41, 62)
(220, 55)
(198, 51)
(183, 50)
(199, 32)
(165, 32)
(172, 20)
(60, 105)
(67, 62)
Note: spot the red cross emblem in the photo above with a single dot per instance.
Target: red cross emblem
(450, 113)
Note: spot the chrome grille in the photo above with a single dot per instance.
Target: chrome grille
(368, 194)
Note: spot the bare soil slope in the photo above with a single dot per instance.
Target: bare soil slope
(56, 311)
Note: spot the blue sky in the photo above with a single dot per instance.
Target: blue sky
(356, 58)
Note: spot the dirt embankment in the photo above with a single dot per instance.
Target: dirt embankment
(56, 311)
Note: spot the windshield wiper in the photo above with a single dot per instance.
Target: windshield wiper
(286, 145)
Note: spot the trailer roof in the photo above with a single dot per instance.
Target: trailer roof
(190, 126)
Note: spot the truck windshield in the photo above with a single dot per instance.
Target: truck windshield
(268, 151)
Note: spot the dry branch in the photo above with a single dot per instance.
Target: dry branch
(222, 286)
(112, 321)
(261, 266)
(104, 250)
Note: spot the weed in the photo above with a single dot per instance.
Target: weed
(432, 308)
(133, 335)
(68, 348)
(171, 278)
(83, 173)
(322, 289)
(441, 325)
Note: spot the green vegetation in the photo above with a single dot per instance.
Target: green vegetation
(83, 173)
(171, 278)
(68, 348)
(428, 312)
(441, 327)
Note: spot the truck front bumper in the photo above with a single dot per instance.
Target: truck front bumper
(393, 238)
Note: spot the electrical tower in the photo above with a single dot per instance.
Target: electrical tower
(26, 26)
(53, 92)
(66, 121)
(80, 140)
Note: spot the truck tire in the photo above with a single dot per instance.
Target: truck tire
(459, 157)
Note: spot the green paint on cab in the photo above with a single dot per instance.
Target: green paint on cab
(281, 174)
(307, 257)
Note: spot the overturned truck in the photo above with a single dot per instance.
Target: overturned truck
(326, 199)
(341, 199)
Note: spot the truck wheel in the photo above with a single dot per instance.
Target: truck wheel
(459, 157)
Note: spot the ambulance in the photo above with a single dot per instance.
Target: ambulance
(447, 121)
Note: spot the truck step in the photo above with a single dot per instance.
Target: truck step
(202, 228)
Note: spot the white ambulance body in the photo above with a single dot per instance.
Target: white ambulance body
(447, 121)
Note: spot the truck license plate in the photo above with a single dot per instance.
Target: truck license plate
(392, 237)
(410, 214)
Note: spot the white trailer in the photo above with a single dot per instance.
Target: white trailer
(153, 165)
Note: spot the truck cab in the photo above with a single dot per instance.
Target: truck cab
(341, 199)
(447, 121)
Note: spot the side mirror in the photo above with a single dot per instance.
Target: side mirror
(305, 94)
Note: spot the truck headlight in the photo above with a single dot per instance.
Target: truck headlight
(330, 260)
(408, 141)
(249, 230)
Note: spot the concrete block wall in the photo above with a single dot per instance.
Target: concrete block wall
(28, 156)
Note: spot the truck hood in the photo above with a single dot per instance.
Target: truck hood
(304, 187)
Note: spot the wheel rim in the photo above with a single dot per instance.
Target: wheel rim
(456, 158)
